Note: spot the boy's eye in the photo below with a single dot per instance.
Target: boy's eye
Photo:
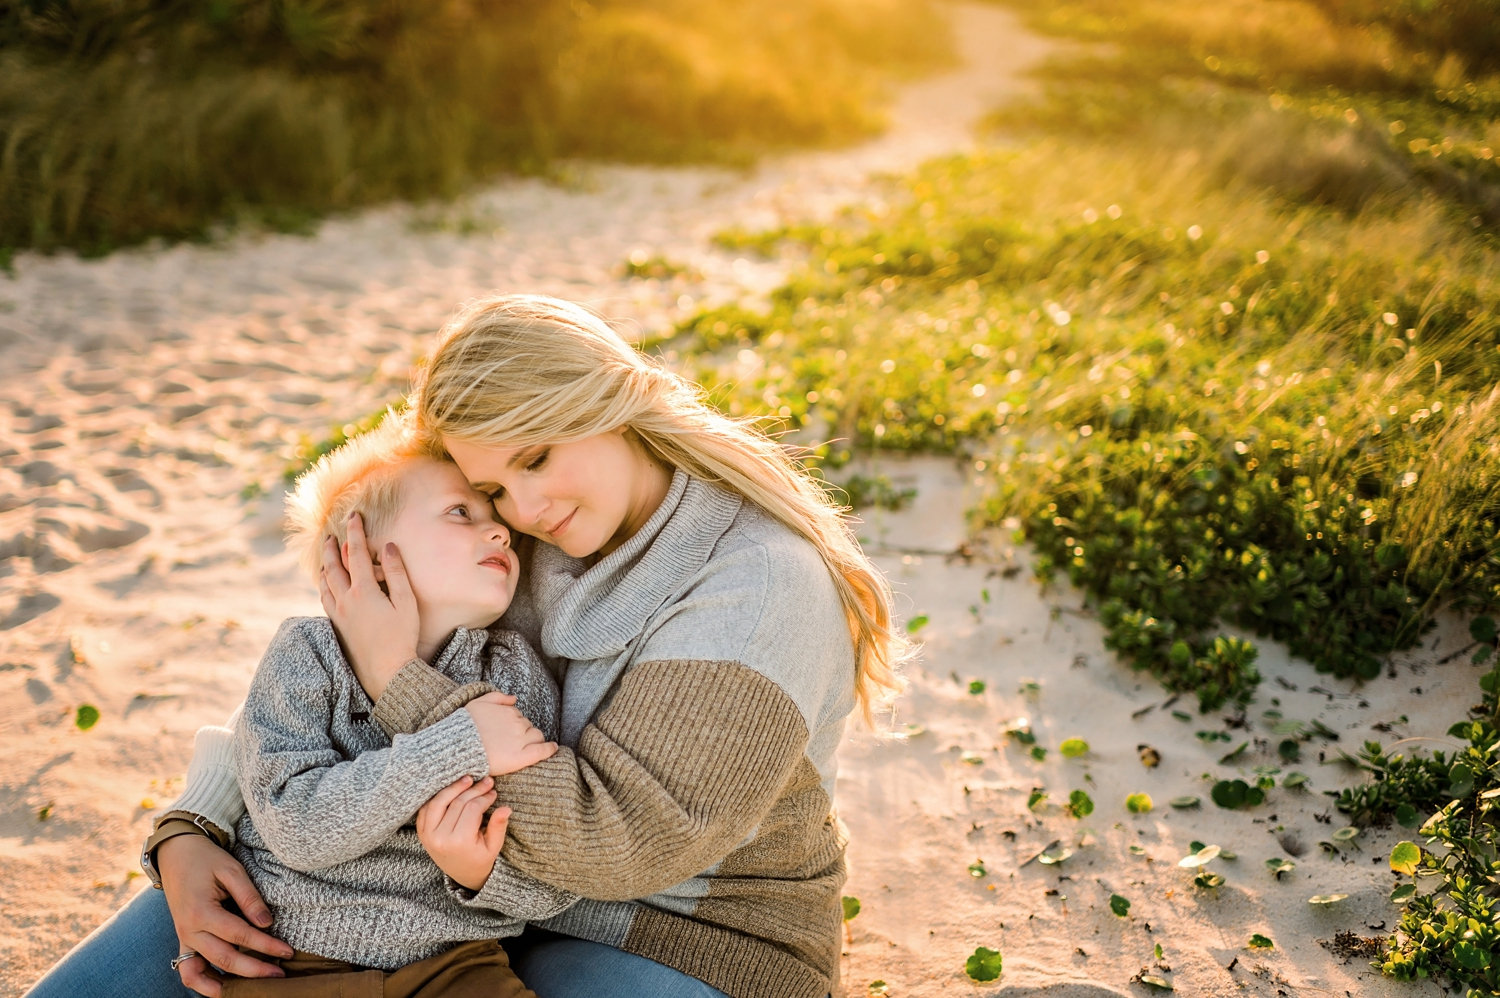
(461, 509)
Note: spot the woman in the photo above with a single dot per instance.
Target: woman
(715, 622)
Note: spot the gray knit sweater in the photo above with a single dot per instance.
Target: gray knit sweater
(328, 837)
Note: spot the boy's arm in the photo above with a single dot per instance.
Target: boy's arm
(514, 893)
(312, 806)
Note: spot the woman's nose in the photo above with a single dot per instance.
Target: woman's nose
(525, 510)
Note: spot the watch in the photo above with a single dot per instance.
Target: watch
(171, 825)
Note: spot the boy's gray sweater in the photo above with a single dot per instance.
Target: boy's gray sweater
(329, 838)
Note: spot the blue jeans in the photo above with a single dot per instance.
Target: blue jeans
(130, 956)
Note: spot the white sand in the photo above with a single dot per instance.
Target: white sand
(145, 391)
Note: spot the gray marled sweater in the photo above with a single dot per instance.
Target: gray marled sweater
(328, 836)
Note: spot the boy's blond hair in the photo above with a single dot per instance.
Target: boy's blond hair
(361, 475)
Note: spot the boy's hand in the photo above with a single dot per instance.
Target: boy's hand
(378, 628)
(511, 742)
(449, 827)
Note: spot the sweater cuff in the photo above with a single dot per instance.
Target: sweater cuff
(410, 696)
(213, 788)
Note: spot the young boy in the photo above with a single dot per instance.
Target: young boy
(373, 902)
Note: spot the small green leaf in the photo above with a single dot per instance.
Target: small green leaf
(1138, 803)
(977, 870)
(1258, 941)
(851, 907)
(1156, 981)
(1234, 753)
(1158, 951)
(1038, 753)
(878, 989)
(1294, 779)
(1482, 629)
(1137, 850)
(1080, 804)
(88, 716)
(913, 730)
(1404, 892)
(976, 686)
(1038, 795)
(1405, 857)
(1460, 778)
(1470, 957)
(44, 812)
(1185, 801)
(1230, 793)
(1207, 879)
(983, 965)
(1182, 715)
(1278, 866)
(916, 623)
(1120, 906)
(1346, 835)
(1073, 747)
(1326, 898)
(972, 758)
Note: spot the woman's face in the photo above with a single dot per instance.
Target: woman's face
(586, 496)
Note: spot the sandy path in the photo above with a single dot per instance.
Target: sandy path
(145, 391)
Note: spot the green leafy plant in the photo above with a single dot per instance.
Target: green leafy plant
(1138, 803)
(1073, 748)
(851, 907)
(1453, 932)
(1119, 905)
(1258, 941)
(1080, 804)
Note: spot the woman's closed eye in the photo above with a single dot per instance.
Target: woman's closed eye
(536, 463)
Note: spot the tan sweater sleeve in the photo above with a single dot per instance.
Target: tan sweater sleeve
(668, 778)
(419, 696)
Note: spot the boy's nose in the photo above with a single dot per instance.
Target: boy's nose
(501, 533)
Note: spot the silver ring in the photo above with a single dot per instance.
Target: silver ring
(183, 957)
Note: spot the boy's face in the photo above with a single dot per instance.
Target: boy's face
(456, 551)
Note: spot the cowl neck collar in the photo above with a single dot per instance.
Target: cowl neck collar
(594, 611)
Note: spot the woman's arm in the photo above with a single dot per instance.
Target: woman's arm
(671, 776)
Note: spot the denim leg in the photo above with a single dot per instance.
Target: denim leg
(562, 967)
(129, 956)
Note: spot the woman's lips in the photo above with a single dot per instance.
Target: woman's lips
(559, 529)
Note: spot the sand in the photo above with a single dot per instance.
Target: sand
(152, 401)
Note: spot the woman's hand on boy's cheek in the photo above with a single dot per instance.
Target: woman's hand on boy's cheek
(376, 618)
(452, 828)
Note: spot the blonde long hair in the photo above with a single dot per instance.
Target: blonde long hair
(521, 370)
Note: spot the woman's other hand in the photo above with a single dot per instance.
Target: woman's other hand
(377, 627)
(449, 828)
(200, 879)
(511, 742)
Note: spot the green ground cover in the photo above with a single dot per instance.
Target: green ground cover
(121, 120)
(1221, 322)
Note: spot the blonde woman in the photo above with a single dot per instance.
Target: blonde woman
(713, 623)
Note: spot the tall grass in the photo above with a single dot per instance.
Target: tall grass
(1227, 337)
(124, 120)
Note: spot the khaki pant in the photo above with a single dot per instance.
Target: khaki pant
(470, 970)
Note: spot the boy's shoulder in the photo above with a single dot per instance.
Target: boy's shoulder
(299, 639)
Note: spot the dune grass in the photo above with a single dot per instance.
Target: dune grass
(126, 120)
(1223, 332)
